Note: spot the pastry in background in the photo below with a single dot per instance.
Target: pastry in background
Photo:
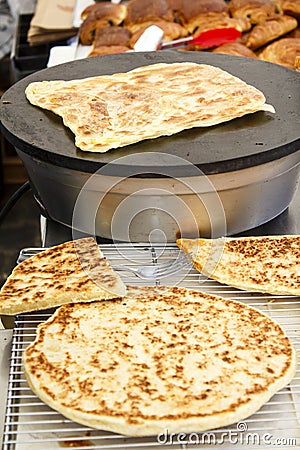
(283, 52)
(218, 21)
(236, 49)
(257, 11)
(171, 30)
(108, 40)
(102, 8)
(291, 7)
(107, 15)
(145, 11)
(193, 13)
(270, 30)
(108, 50)
(294, 34)
(114, 35)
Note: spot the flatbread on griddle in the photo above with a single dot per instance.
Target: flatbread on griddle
(268, 264)
(75, 271)
(162, 358)
(111, 111)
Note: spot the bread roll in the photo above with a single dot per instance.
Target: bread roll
(105, 15)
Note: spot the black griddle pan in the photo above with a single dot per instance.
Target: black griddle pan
(244, 142)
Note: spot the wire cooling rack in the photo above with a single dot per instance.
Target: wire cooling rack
(32, 425)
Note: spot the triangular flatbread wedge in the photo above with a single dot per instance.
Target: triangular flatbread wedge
(268, 264)
(74, 271)
(161, 360)
(112, 111)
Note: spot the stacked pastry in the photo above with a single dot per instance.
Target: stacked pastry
(270, 28)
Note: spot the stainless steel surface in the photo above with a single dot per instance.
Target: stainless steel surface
(132, 209)
(30, 424)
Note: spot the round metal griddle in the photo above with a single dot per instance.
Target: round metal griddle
(245, 142)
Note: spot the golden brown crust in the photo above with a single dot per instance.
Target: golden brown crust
(140, 11)
(235, 48)
(264, 264)
(162, 358)
(74, 271)
(88, 106)
(270, 30)
(283, 52)
(257, 11)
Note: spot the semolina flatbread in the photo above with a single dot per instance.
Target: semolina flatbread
(74, 271)
(162, 358)
(111, 111)
(268, 264)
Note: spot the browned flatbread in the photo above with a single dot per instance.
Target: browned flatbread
(160, 359)
(75, 271)
(269, 264)
(108, 112)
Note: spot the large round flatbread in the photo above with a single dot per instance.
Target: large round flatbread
(163, 358)
(269, 264)
(111, 111)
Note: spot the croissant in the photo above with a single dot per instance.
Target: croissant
(257, 11)
(219, 21)
(235, 48)
(283, 52)
(270, 30)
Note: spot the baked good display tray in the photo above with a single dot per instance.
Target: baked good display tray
(31, 424)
